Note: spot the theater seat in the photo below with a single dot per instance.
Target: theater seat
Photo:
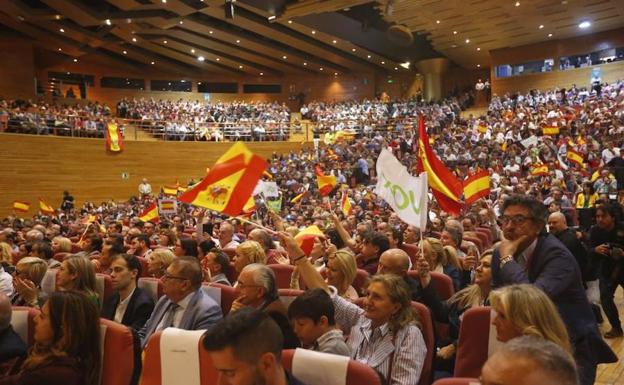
(484, 239)
(144, 267)
(289, 295)
(23, 322)
(174, 355)
(361, 281)
(152, 287)
(224, 295)
(356, 372)
(61, 256)
(230, 252)
(117, 353)
(75, 248)
(458, 381)
(48, 283)
(104, 286)
(232, 274)
(477, 341)
(411, 250)
(443, 285)
(282, 275)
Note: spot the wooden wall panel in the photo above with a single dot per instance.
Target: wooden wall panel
(611, 72)
(44, 166)
(17, 69)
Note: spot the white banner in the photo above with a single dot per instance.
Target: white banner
(406, 194)
(268, 189)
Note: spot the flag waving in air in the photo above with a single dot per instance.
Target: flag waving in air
(45, 208)
(326, 184)
(446, 187)
(345, 204)
(230, 182)
(476, 186)
(150, 214)
(114, 141)
(21, 206)
(305, 238)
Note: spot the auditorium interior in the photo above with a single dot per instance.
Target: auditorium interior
(98, 97)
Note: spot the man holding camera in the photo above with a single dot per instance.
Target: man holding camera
(606, 241)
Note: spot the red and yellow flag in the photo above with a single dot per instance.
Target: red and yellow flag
(446, 187)
(230, 183)
(299, 197)
(482, 128)
(170, 190)
(326, 184)
(150, 214)
(550, 130)
(476, 186)
(305, 238)
(45, 208)
(114, 140)
(21, 206)
(345, 204)
(539, 170)
(575, 157)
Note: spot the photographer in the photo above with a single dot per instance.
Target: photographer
(606, 241)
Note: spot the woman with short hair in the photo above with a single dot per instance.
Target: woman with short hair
(61, 245)
(247, 253)
(159, 261)
(27, 278)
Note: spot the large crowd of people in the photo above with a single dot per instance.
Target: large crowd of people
(543, 249)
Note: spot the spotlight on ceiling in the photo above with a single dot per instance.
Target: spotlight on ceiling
(405, 65)
(584, 25)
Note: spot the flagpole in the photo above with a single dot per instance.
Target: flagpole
(255, 224)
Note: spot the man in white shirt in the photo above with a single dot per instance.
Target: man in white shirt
(226, 235)
(6, 282)
(145, 188)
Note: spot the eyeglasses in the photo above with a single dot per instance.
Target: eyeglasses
(516, 219)
(167, 277)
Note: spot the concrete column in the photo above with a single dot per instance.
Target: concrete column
(432, 71)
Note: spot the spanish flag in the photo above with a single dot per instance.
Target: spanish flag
(539, 170)
(21, 206)
(550, 130)
(114, 140)
(482, 128)
(299, 197)
(45, 208)
(150, 214)
(249, 207)
(345, 204)
(326, 184)
(476, 186)
(575, 157)
(230, 183)
(267, 174)
(170, 190)
(446, 187)
(305, 238)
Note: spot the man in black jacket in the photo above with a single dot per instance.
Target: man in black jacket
(558, 226)
(129, 305)
(12, 347)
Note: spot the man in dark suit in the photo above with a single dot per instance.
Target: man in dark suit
(558, 226)
(184, 305)
(12, 348)
(129, 305)
(529, 255)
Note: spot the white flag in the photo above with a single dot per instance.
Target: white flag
(268, 189)
(406, 194)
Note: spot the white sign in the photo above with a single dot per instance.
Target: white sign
(268, 189)
(530, 141)
(406, 194)
(168, 206)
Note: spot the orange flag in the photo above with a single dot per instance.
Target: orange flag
(45, 207)
(476, 186)
(305, 238)
(114, 140)
(21, 206)
(150, 214)
(230, 183)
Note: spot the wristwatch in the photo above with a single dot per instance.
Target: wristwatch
(505, 259)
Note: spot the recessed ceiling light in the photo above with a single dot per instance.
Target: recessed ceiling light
(165, 41)
(201, 58)
(305, 64)
(164, 1)
(478, 65)
(353, 50)
(152, 63)
(289, 21)
(335, 73)
(75, 60)
(218, 59)
(585, 24)
(313, 32)
(211, 32)
(108, 22)
(62, 30)
(320, 69)
(383, 62)
(60, 49)
(541, 26)
(125, 52)
(550, 35)
(334, 41)
(199, 83)
(241, 67)
(396, 68)
(57, 17)
(261, 73)
(454, 32)
(368, 56)
(478, 48)
(467, 41)
(181, 22)
(134, 39)
(192, 50)
(284, 57)
(237, 41)
(437, 21)
(517, 3)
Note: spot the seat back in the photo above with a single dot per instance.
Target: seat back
(458, 381)
(118, 356)
(177, 358)
(75, 248)
(476, 241)
(411, 250)
(23, 322)
(289, 295)
(144, 267)
(48, 283)
(152, 287)
(230, 252)
(61, 256)
(104, 286)
(282, 275)
(232, 274)
(473, 349)
(357, 373)
(484, 237)
(224, 295)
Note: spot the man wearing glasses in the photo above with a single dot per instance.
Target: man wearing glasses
(528, 254)
(184, 304)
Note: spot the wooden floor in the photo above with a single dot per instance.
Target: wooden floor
(613, 374)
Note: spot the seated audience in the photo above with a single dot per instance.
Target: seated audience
(247, 253)
(27, 278)
(341, 271)
(373, 245)
(167, 239)
(216, 267)
(112, 247)
(442, 260)
(61, 245)
(77, 273)
(140, 246)
(186, 247)
(159, 261)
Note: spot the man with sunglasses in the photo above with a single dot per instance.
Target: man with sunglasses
(528, 254)
(184, 304)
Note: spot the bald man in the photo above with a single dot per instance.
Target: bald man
(558, 226)
(226, 236)
(11, 345)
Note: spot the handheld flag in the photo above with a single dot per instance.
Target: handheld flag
(575, 157)
(446, 187)
(150, 214)
(230, 183)
(299, 197)
(21, 206)
(170, 190)
(345, 205)
(550, 130)
(539, 170)
(476, 186)
(326, 184)
(305, 238)
(114, 140)
(45, 208)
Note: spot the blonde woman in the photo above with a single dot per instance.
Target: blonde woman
(525, 310)
(247, 253)
(159, 261)
(29, 273)
(442, 259)
(61, 245)
(341, 271)
(6, 253)
(78, 273)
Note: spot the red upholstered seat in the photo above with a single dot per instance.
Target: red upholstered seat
(357, 373)
(144, 265)
(282, 275)
(61, 256)
(117, 353)
(231, 252)
(483, 238)
(75, 248)
(152, 365)
(488, 235)
(152, 287)
(361, 281)
(232, 275)
(411, 250)
(472, 345)
(224, 295)
(289, 295)
(443, 285)
(23, 322)
(457, 381)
